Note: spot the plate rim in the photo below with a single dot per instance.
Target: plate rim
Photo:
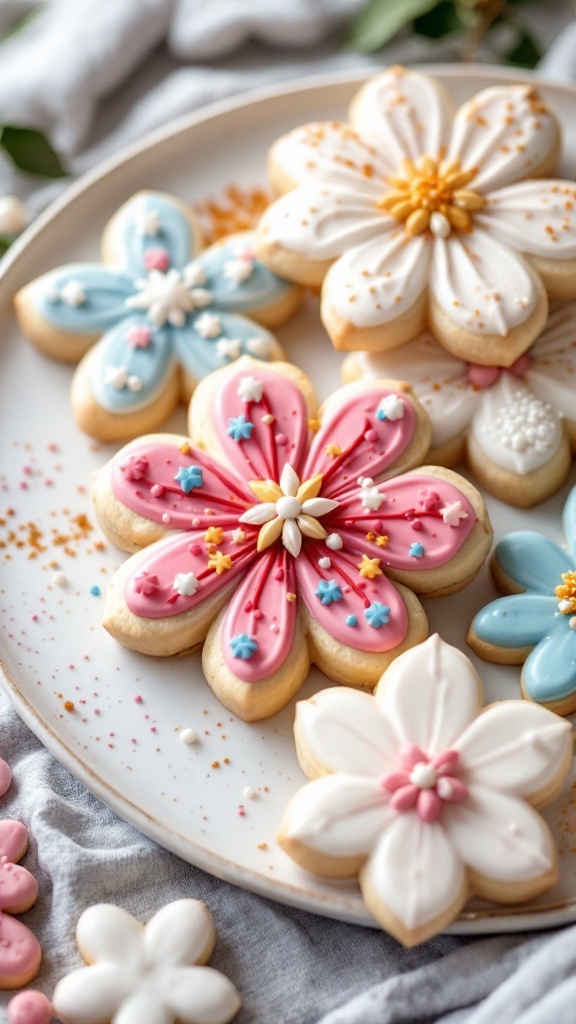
(335, 905)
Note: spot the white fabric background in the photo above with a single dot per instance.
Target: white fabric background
(97, 74)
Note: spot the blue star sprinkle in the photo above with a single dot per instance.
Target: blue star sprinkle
(189, 477)
(328, 591)
(239, 428)
(351, 620)
(243, 646)
(416, 550)
(377, 614)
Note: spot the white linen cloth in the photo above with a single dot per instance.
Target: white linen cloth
(96, 74)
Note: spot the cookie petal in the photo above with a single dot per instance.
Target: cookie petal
(238, 282)
(482, 285)
(414, 876)
(551, 373)
(506, 132)
(499, 837)
(549, 672)
(263, 608)
(405, 114)
(106, 932)
(124, 376)
(371, 435)
(82, 298)
(322, 223)
(344, 730)
(519, 620)
(535, 217)
(532, 561)
(13, 839)
(179, 935)
(339, 815)
(380, 280)
(515, 747)
(20, 951)
(363, 614)
(93, 995)
(431, 694)
(236, 335)
(330, 153)
(19, 889)
(148, 224)
(201, 995)
(147, 1006)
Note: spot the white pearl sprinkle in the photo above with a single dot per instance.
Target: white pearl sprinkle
(248, 792)
(189, 737)
(59, 579)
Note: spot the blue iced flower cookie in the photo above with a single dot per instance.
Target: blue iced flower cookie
(155, 316)
(535, 624)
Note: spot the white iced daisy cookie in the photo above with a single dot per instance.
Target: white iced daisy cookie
(414, 213)
(146, 973)
(516, 427)
(155, 316)
(424, 795)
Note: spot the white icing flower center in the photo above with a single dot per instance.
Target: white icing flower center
(169, 297)
(289, 510)
(423, 775)
(527, 424)
(428, 195)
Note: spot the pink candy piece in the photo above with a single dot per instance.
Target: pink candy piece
(5, 777)
(30, 1007)
(139, 337)
(485, 376)
(157, 259)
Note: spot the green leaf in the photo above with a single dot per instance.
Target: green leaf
(525, 53)
(31, 151)
(442, 21)
(5, 244)
(381, 20)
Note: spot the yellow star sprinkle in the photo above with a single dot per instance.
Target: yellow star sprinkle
(334, 450)
(290, 596)
(567, 594)
(370, 535)
(219, 562)
(382, 541)
(369, 567)
(214, 535)
(314, 424)
(185, 448)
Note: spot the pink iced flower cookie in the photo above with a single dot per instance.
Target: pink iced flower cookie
(416, 213)
(424, 795)
(516, 426)
(146, 974)
(20, 952)
(5, 777)
(285, 534)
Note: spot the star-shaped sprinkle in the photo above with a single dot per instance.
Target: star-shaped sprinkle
(220, 562)
(214, 535)
(250, 389)
(229, 348)
(243, 646)
(334, 541)
(370, 497)
(194, 275)
(189, 477)
(328, 591)
(147, 223)
(116, 377)
(139, 337)
(146, 583)
(382, 541)
(208, 325)
(135, 383)
(239, 428)
(237, 271)
(325, 562)
(72, 293)
(333, 450)
(377, 615)
(314, 425)
(369, 567)
(416, 550)
(185, 584)
(390, 408)
(452, 514)
(238, 536)
(258, 347)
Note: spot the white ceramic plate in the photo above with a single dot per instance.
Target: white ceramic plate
(122, 738)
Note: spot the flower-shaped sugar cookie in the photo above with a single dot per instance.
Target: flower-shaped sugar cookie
(424, 795)
(416, 214)
(165, 314)
(516, 427)
(280, 534)
(146, 974)
(535, 624)
(20, 951)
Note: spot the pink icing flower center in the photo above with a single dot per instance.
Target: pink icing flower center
(486, 376)
(157, 259)
(135, 467)
(423, 783)
(139, 337)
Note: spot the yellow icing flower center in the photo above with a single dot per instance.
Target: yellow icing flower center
(432, 195)
(566, 593)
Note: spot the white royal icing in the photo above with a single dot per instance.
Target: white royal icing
(515, 429)
(428, 699)
(535, 217)
(552, 371)
(167, 298)
(149, 972)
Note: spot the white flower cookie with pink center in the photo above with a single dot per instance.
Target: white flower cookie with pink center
(424, 795)
(516, 426)
(417, 213)
(284, 534)
(146, 974)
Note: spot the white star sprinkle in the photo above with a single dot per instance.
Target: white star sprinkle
(185, 584)
(452, 514)
(229, 348)
(116, 376)
(147, 223)
(73, 294)
(208, 325)
(258, 347)
(250, 390)
(371, 498)
(238, 536)
(194, 275)
(238, 271)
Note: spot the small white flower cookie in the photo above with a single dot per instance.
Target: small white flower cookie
(417, 213)
(425, 796)
(146, 974)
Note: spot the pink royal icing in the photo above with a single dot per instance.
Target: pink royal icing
(327, 532)
(20, 951)
(5, 777)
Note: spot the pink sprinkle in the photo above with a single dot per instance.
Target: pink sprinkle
(139, 337)
(379, 525)
(348, 522)
(248, 606)
(279, 574)
(23, 485)
(241, 811)
(416, 524)
(482, 376)
(157, 259)
(157, 490)
(138, 699)
(165, 517)
(370, 435)
(27, 470)
(281, 439)
(258, 614)
(35, 617)
(195, 549)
